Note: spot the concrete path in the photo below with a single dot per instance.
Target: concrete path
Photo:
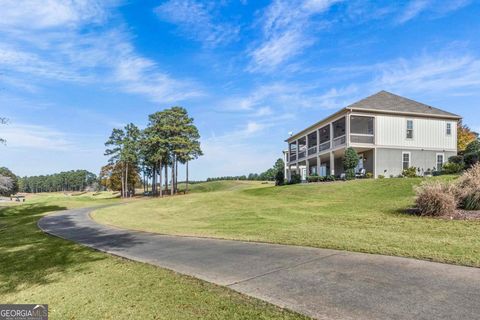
(323, 284)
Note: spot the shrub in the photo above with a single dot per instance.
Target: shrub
(456, 159)
(295, 178)
(468, 188)
(473, 147)
(312, 178)
(279, 178)
(369, 175)
(471, 159)
(381, 176)
(452, 167)
(410, 172)
(436, 199)
(330, 178)
(350, 162)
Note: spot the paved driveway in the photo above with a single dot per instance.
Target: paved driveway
(323, 284)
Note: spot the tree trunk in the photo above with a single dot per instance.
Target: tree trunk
(154, 181)
(123, 183)
(172, 191)
(166, 177)
(186, 178)
(176, 176)
(160, 177)
(126, 181)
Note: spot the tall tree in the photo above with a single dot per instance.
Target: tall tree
(464, 136)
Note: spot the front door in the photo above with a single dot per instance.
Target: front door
(304, 173)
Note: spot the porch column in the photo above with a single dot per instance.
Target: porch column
(318, 165)
(332, 163)
(307, 165)
(289, 172)
(347, 129)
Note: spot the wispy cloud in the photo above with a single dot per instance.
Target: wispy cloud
(196, 20)
(287, 30)
(439, 74)
(27, 136)
(70, 51)
(436, 7)
(32, 14)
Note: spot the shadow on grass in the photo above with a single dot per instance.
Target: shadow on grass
(29, 257)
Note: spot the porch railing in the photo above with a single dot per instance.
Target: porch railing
(362, 138)
(293, 157)
(312, 150)
(301, 154)
(339, 141)
(324, 146)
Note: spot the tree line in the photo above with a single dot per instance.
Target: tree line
(74, 180)
(170, 139)
(268, 175)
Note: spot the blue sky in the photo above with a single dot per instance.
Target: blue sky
(247, 71)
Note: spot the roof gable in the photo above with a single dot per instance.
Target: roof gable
(389, 102)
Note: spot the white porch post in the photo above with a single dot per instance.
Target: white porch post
(307, 165)
(375, 174)
(318, 165)
(347, 129)
(332, 163)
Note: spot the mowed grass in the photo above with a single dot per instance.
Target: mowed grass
(80, 283)
(363, 215)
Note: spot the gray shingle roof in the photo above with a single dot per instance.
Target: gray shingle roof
(389, 102)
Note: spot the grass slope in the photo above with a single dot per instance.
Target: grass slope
(364, 216)
(79, 283)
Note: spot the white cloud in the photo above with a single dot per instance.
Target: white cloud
(413, 9)
(287, 31)
(430, 73)
(196, 21)
(27, 136)
(33, 14)
(63, 51)
(435, 7)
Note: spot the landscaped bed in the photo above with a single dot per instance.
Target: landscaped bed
(362, 215)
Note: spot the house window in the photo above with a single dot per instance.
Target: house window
(409, 129)
(439, 161)
(449, 129)
(405, 160)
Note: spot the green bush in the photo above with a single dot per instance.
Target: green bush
(436, 199)
(456, 159)
(279, 178)
(471, 159)
(312, 178)
(330, 178)
(473, 147)
(295, 178)
(350, 162)
(410, 172)
(452, 167)
(369, 175)
(381, 176)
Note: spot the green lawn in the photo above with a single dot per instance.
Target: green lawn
(365, 216)
(79, 283)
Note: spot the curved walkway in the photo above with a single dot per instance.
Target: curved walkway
(324, 284)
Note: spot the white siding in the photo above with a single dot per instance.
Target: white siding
(427, 133)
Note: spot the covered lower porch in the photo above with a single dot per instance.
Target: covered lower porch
(331, 163)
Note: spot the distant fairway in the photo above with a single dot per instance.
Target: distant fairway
(362, 215)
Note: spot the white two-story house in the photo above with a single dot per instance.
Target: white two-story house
(390, 133)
